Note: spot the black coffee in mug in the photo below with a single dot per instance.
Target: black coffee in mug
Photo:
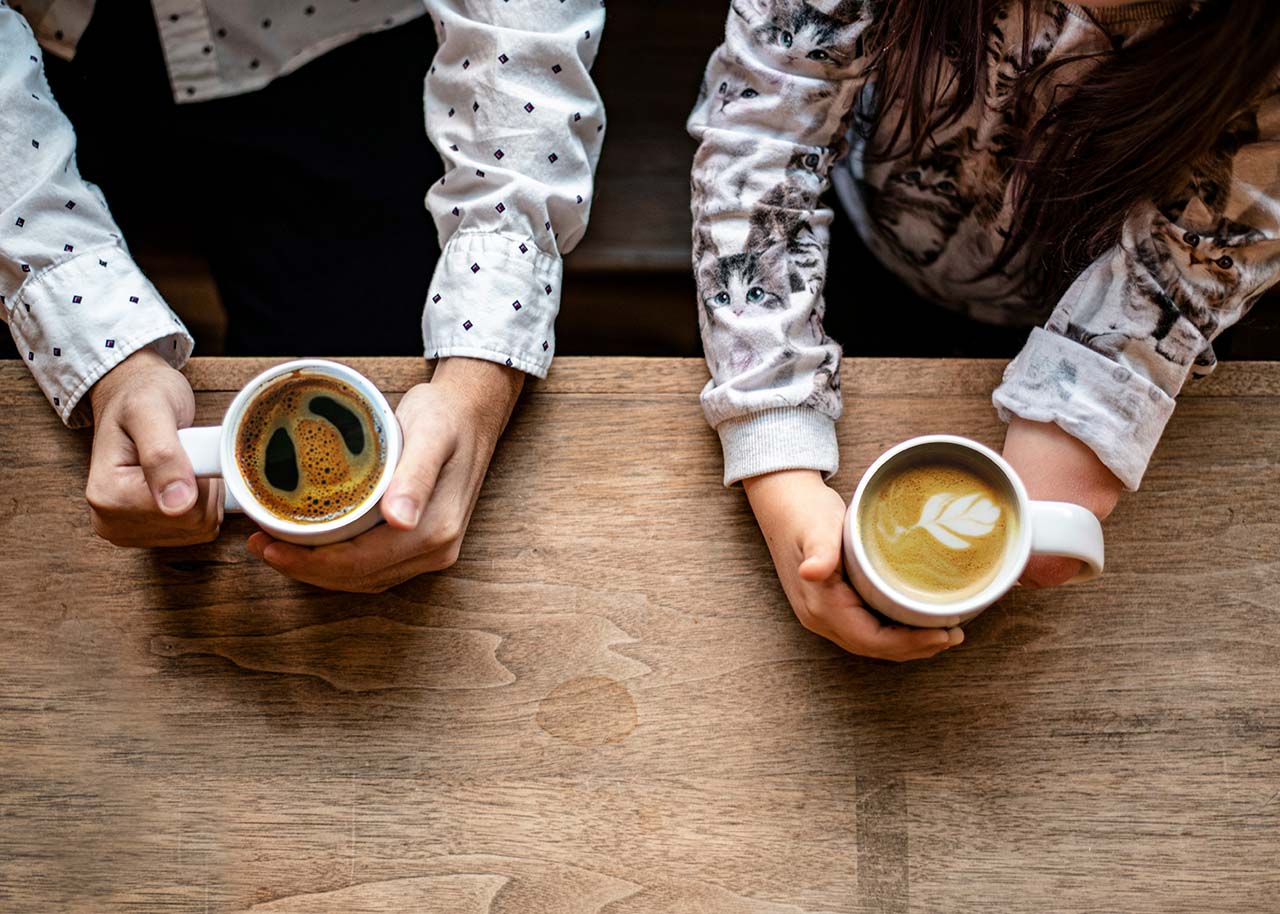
(310, 448)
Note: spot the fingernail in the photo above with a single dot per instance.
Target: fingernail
(176, 495)
(955, 635)
(942, 636)
(403, 509)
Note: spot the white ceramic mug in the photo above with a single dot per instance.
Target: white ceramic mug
(1043, 528)
(212, 453)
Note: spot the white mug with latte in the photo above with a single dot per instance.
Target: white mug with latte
(941, 527)
(306, 449)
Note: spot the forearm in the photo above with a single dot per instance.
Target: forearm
(1056, 466)
(760, 263)
(487, 391)
(770, 494)
(75, 302)
(513, 112)
(1142, 318)
(769, 125)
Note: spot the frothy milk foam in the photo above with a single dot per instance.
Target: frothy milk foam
(936, 530)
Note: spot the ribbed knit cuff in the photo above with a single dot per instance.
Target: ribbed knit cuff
(790, 438)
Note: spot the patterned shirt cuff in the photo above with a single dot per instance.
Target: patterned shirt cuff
(494, 297)
(790, 438)
(1116, 412)
(75, 322)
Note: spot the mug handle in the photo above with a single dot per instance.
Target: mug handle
(203, 446)
(1068, 530)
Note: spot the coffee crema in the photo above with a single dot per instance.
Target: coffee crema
(310, 448)
(936, 530)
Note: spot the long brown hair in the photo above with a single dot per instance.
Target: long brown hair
(1126, 132)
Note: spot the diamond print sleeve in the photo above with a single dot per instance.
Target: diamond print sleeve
(74, 301)
(512, 109)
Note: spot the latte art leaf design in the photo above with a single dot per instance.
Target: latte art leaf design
(946, 515)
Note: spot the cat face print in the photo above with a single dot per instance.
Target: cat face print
(805, 177)
(1009, 60)
(803, 36)
(1204, 272)
(923, 202)
(737, 92)
(1179, 278)
(744, 285)
(731, 91)
(735, 289)
(1201, 269)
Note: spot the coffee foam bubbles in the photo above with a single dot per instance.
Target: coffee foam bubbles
(332, 477)
(936, 530)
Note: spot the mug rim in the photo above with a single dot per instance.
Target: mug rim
(232, 478)
(1008, 575)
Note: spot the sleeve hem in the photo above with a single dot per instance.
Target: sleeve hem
(1118, 413)
(177, 356)
(491, 300)
(512, 360)
(789, 438)
(78, 319)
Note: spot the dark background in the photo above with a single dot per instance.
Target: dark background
(628, 289)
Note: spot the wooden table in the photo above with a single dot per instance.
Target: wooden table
(607, 706)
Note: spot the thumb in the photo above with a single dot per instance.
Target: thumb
(821, 557)
(152, 424)
(425, 452)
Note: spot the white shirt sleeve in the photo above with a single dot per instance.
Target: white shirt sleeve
(75, 302)
(512, 109)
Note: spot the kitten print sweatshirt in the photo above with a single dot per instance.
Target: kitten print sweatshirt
(1105, 362)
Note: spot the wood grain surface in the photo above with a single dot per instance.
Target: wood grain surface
(606, 706)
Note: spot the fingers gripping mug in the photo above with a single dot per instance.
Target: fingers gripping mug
(941, 527)
(306, 450)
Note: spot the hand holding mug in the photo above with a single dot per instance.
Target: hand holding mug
(1056, 466)
(941, 527)
(450, 427)
(142, 490)
(801, 518)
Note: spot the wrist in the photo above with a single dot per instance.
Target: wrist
(1056, 466)
(124, 376)
(772, 495)
(780, 481)
(487, 391)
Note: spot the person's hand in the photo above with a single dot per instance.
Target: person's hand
(1055, 466)
(142, 490)
(802, 520)
(451, 427)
